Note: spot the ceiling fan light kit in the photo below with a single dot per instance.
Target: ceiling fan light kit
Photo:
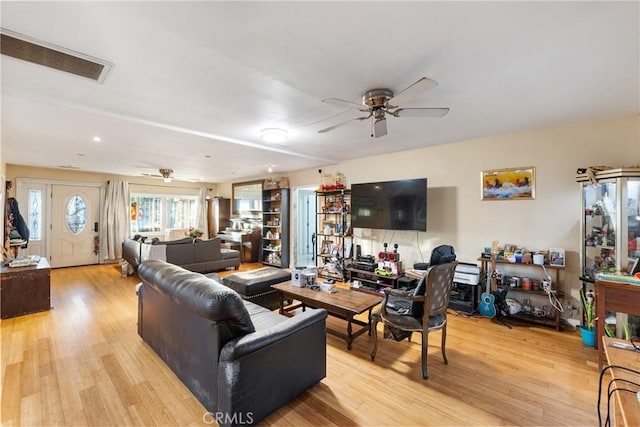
(380, 102)
(274, 135)
(379, 128)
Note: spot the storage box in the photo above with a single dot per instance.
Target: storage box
(304, 276)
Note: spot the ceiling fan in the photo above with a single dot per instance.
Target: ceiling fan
(378, 103)
(165, 174)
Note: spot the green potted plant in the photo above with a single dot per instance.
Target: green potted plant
(589, 309)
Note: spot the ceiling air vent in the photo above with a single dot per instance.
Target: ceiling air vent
(38, 52)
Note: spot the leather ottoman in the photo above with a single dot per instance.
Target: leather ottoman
(255, 285)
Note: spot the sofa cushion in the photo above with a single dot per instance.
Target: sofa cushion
(206, 250)
(199, 294)
(229, 253)
(180, 254)
(262, 317)
(256, 281)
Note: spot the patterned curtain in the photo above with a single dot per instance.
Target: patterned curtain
(201, 212)
(116, 223)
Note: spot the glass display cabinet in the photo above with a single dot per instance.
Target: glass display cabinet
(610, 226)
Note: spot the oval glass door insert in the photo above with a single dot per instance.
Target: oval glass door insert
(76, 214)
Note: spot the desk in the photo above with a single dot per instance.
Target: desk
(617, 297)
(625, 408)
(25, 290)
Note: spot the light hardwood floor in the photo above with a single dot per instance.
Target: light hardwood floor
(82, 363)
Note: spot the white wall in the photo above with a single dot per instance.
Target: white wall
(457, 216)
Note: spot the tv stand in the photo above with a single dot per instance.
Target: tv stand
(371, 282)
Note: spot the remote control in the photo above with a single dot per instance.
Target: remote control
(622, 345)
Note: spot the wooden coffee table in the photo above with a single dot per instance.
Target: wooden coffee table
(343, 304)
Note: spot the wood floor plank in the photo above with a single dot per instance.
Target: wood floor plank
(15, 348)
(12, 394)
(31, 410)
(52, 413)
(94, 409)
(83, 363)
(68, 370)
(119, 380)
(154, 405)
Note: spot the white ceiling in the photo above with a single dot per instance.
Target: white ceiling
(198, 79)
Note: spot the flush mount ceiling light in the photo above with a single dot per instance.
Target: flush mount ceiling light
(273, 135)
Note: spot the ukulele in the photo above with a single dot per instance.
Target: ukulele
(488, 302)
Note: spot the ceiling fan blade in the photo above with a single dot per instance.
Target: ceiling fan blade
(421, 112)
(413, 91)
(330, 128)
(346, 104)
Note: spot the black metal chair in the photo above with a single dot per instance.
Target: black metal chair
(432, 296)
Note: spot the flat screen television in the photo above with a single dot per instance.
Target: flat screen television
(390, 205)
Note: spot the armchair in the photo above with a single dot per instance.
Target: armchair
(433, 292)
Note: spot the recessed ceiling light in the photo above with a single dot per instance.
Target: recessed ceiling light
(269, 168)
(274, 135)
(97, 139)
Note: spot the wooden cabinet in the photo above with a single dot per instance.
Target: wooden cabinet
(25, 290)
(537, 305)
(218, 215)
(615, 296)
(275, 227)
(334, 237)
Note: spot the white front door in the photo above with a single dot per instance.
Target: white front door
(75, 212)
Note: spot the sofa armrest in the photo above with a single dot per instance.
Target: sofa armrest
(254, 341)
(262, 371)
(131, 251)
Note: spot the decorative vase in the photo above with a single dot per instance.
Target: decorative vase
(588, 337)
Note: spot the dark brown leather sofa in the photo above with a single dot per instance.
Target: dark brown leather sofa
(241, 361)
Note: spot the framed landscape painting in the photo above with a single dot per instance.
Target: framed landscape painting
(509, 184)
